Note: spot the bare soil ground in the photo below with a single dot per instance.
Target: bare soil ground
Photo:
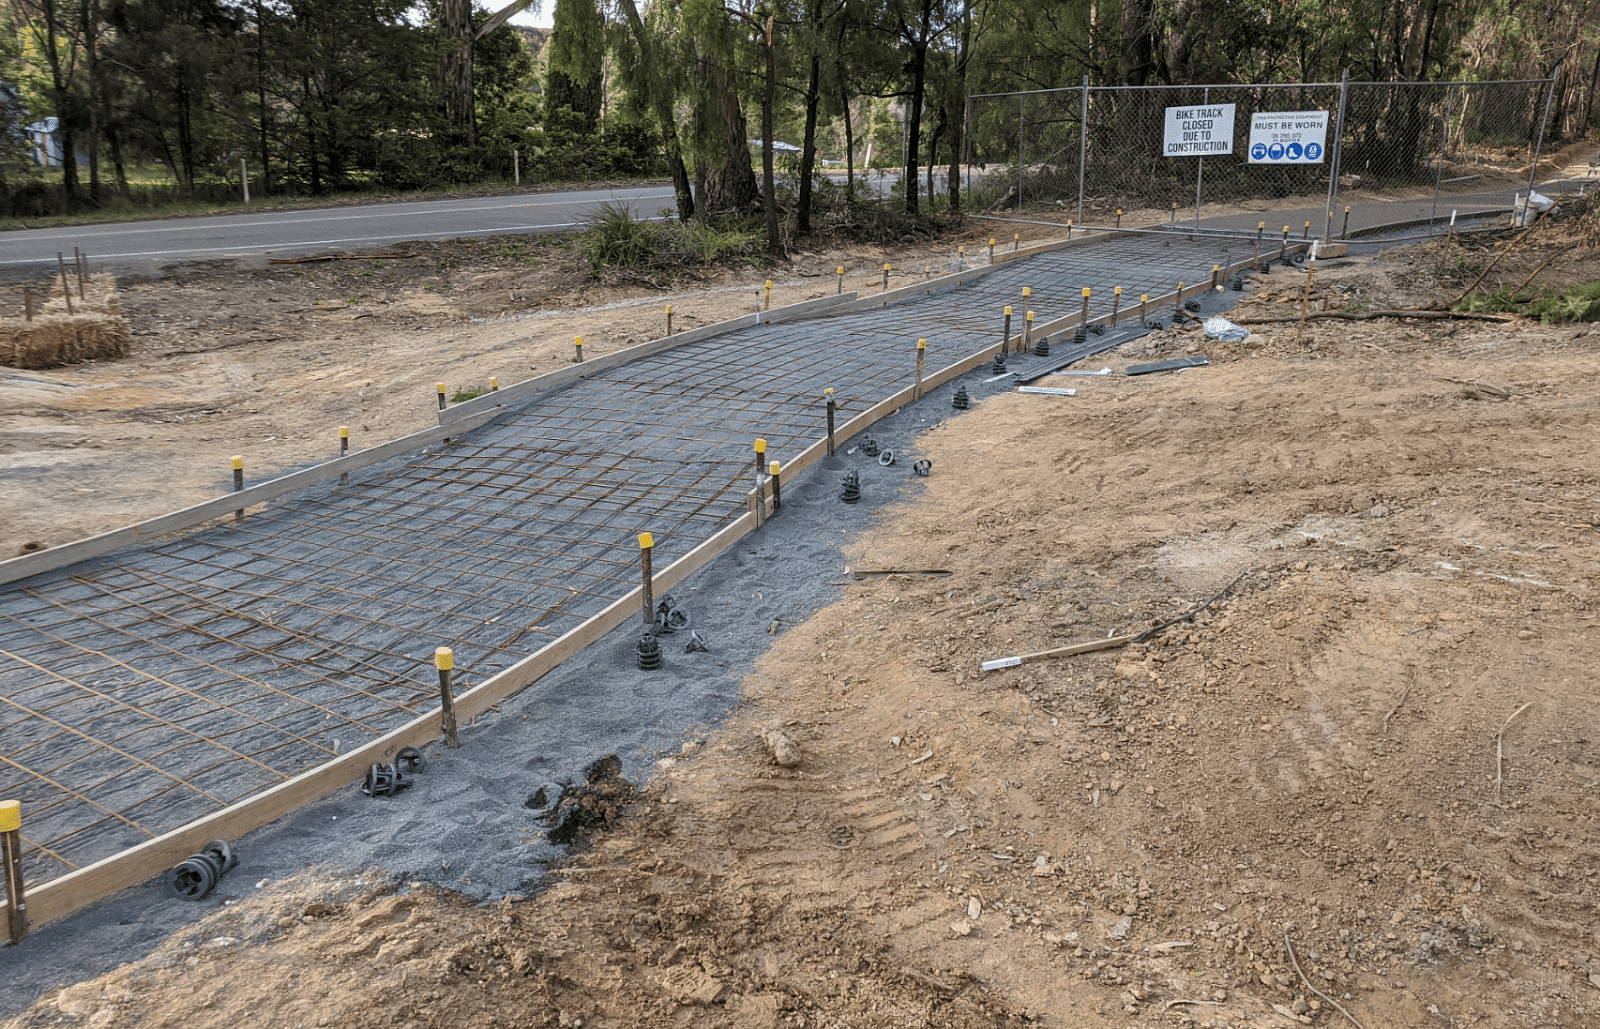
(1378, 747)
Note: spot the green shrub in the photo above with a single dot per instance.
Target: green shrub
(1579, 303)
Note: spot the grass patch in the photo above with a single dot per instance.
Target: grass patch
(466, 393)
(614, 239)
(1579, 303)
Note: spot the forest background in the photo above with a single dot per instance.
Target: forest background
(170, 102)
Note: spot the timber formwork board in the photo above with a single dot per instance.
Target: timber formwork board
(143, 689)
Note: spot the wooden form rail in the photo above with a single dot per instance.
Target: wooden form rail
(85, 886)
(16, 568)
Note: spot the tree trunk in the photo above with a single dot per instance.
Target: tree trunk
(1138, 48)
(455, 71)
(731, 186)
(91, 28)
(261, 100)
(114, 141)
(768, 179)
(959, 141)
(919, 81)
(663, 110)
(808, 145)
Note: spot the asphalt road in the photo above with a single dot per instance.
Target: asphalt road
(147, 246)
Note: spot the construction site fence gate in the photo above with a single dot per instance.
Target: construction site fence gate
(1133, 155)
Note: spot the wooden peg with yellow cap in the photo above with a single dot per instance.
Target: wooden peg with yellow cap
(444, 659)
(238, 483)
(647, 543)
(11, 843)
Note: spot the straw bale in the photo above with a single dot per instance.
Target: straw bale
(95, 331)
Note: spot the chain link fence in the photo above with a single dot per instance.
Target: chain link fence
(1348, 158)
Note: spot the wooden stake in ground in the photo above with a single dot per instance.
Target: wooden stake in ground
(444, 660)
(11, 842)
(1305, 300)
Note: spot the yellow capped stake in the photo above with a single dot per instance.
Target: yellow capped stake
(10, 815)
(1144, 298)
(494, 385)
(1027, 291)
(922, 344)
(1086, 291)
(761, 446)
(1008, 310)
(444, 659)
(839, 270)
(646, 541)
(238, 463)
(1030, 316)
(1117, 291)
(774, 468)
(344, 432)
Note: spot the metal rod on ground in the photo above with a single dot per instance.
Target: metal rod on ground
(27, 303)
(828, 394)
(1255, 260)
(991, 251)
(1305, 233)
(1144, 302)
(77, 269)
(839, 287)
(440, 387)
(1069, 228)
(1119, 217)
(961, 258)
(927, 272)
(244, 179)
(777, 486)
(344, 450)
(1344, 233)
(1177, 306)
(766, 300)
(577, 344)
(1305, 299)
(516, 167)
(66, 290)
(11, 843)
(238, 483)
(1027, 334)
(886, 277)
(444, 659)
(1116, 302)
(1283, 248)
(669, 319)
(1174, 212)
(1016, 241)
(1083, 318)
(922, 351)
(1216, 270)
(761, 453)
(494, 385)
(1005, 334)
(647, 543)
(83, 272)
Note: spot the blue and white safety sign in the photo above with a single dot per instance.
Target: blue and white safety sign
(1288, 137)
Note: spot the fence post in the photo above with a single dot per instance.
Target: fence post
(1533, 172)
(1200, 169)
(1022, 101)
(1338, 153)
(1083, 146)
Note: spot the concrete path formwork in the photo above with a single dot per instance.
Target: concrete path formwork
(147, 688)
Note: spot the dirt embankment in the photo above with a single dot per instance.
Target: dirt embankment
(1377, 747)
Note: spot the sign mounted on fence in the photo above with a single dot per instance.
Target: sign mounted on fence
(1199, 131)
(1288, 137)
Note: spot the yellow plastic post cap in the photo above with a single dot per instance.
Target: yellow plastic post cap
(1144, 297)
(922, 344)
(774, 468)
(669, 308)
(1261, 225)
(828, 391)
(991, 242)
(761, 446)
(646, 541)
(1286, 228)
(10, 815)
(439, 387)
(1308, 225)
(444, 659)
(577, 340)
(769, 281)
(1030, 316)
(839, 270)
(1008, 310)
(961, 250)
(886, 266)
(494, 383)
(1027, 291)
(1117, 291)
(238, 461)
(1216, 267)
(1086, 291)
